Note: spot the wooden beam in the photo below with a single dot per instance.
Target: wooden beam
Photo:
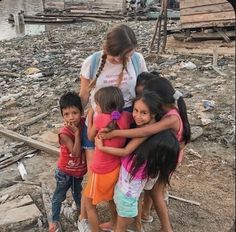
(31, 120)
(194, 3)
(29, 141)
(205, 17)
(184, 200)
(222, 7)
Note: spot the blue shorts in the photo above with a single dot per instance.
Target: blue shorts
(125, 206)
(86, 143)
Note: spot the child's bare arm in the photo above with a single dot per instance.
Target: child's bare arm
(91, 127)
(128, 149)
(169, 122)
(73, 147)
(84, 90)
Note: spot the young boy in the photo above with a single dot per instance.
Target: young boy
(71, 166)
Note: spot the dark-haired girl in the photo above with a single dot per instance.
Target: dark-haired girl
(174, 118)
(155, 159)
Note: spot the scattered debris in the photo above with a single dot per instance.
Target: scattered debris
(184, 200)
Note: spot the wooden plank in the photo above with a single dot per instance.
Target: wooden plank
(19, 215)
(108, 1)
(195, 3)
(14, 159)
(224, 23)
(31, 121)
(26, 200)
(208, 17)
(29, 141)
(95, 19)
(206, 9)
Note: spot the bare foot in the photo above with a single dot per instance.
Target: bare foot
(106, 226)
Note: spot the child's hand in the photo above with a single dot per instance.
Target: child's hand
(73, 127)
(98, 142)
(105, 133)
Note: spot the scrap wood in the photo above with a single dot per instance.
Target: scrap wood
(48, 204)
(223, 34)
(31, 120)
(27, 182)
(9, 74)
(29, 141)
(14, 159)
(95, 19)
(218, 71)
(184, 200)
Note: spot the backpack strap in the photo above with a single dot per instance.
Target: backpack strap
(96, 57)
(136, 63)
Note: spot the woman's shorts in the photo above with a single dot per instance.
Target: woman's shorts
(86, 143)
(125, 206)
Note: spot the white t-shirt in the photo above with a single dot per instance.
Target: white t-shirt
(109, 77)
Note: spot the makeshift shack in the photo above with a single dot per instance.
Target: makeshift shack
(206, 13)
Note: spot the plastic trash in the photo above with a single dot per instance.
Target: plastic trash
(189, 65)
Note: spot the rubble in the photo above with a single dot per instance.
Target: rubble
(36, 70)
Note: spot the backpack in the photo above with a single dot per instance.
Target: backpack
(96, 60)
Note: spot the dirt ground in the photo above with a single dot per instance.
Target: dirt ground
(207, 175)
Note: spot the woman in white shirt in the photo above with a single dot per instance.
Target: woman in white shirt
(116, 65)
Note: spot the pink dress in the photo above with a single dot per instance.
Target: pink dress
(102, 162)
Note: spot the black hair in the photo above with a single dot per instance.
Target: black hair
(153, 102)
(144, 77)
(70, 99)
(165, 90)
(160, 152)
(110, 99)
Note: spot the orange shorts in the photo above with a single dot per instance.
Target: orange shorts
(100, 187)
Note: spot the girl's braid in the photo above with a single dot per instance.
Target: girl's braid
(121, 75)
(103, 61)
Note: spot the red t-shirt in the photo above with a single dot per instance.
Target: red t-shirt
(73, 166)
(102, 162)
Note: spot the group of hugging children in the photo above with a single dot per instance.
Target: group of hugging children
(135, 152)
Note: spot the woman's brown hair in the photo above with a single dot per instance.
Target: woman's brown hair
(119, 41)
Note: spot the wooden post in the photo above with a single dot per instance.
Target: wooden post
(161, 24)
(43, 5)
(215, 56)
(164, 26)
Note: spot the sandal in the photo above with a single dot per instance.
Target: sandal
(149, 219)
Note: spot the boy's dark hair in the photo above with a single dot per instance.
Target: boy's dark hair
(165, 90)
(160, 152)
(70, 99)
(110, 99)
(153, 102)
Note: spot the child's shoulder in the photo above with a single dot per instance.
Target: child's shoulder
(65, 131)
(173, 111)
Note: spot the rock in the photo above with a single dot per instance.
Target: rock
(31, 70)
(196, 131)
